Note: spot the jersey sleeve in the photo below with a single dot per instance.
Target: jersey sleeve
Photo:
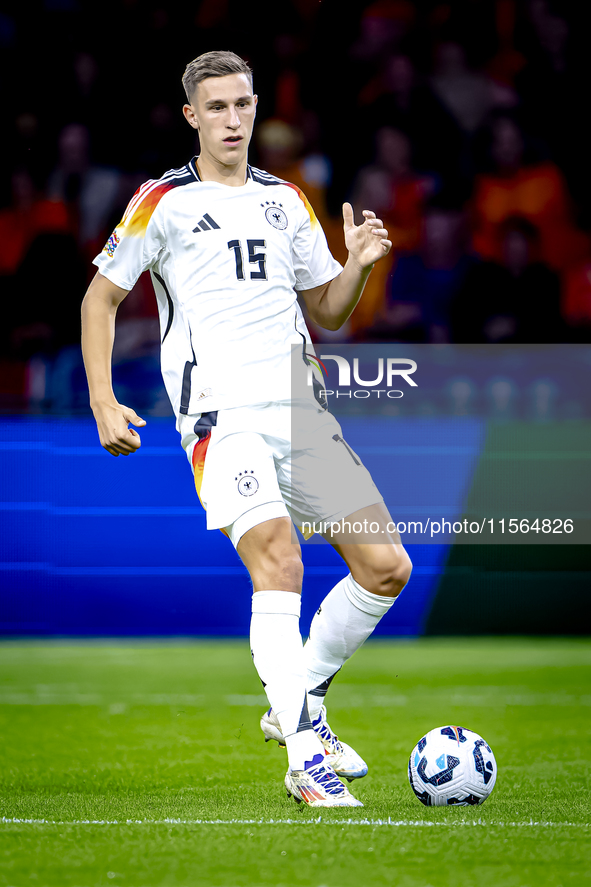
(312, 259)
(137, 240)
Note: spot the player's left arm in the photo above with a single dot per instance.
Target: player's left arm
(331, 304)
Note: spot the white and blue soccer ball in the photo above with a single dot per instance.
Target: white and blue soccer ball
(452, 766)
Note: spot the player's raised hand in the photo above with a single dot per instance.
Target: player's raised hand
(114, 434)
(367, 242)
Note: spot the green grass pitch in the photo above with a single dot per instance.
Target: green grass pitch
(142, 763)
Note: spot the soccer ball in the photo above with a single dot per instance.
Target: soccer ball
(452, 765)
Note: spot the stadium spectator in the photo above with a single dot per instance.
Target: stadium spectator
(396, 97)
(398, 195)
(576, 300)
(158, 152)
(468, 95)
(89, 191)
(424, 284)
(507, 61)
(535, 192)
(383, 26)
(27, 227)
(29, 215)
(514, 300)
(288, 101)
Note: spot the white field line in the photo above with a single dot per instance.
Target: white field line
(43, 696)
(408, 823)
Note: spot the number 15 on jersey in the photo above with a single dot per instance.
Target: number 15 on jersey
(254, 258)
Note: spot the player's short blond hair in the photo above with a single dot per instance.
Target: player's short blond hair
(217, 63)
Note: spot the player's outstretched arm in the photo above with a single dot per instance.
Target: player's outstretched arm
(331, 305)
(99, 309)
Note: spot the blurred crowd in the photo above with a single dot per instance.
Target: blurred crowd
(460, 123)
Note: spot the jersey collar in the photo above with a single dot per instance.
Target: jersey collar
(193, 167)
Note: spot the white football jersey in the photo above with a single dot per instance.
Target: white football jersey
(226, 263)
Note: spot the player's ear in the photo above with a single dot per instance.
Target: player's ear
(256, 101)
(190, 116)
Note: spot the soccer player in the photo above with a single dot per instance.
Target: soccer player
(229, 248)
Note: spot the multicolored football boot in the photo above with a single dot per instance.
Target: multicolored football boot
(318, 786)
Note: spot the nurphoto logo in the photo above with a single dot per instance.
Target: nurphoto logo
(388, 371)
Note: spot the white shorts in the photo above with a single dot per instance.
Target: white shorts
(255, 463)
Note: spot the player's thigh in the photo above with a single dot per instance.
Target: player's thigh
(270, 556)
(236, 479)
(370, 546)
(322, 479)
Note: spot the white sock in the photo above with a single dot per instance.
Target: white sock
(277, 652)
(346, 618)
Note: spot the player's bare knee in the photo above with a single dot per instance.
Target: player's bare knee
(402, 570)
(387, 572)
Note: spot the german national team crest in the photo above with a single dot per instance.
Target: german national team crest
(247, 483)
(276, 217)
(111, 245)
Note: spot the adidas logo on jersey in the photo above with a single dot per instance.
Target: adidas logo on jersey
(206, 224)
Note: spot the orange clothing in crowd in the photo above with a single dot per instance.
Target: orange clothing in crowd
(19, 227)
(576, 299)
(402, 215)
(538, 194)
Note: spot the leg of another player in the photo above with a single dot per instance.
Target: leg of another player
(352, 609)
(276, 571)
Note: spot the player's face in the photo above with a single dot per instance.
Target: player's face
(223, 111)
